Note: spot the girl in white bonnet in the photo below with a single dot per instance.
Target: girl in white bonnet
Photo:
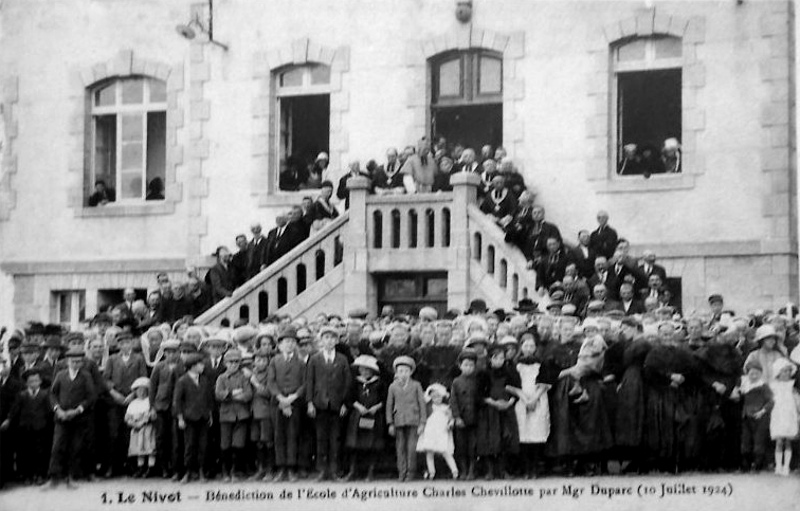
(437, 438)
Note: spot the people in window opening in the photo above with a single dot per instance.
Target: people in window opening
(155, 189)
(293, 176)
(102, 194)
(671, 156)
(631, 162)
(318, 171)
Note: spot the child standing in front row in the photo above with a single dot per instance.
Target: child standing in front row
(437, 438)
(783, 425)
(405, 415)
(756, 407)
(140, 417)
(464, 405)
(32, 417)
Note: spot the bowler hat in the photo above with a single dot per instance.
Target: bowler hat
(477, 305)
(54, 343)
(715, 298)
(30, 372)
(526, 305)
(287, 333)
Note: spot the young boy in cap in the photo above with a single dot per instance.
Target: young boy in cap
(162, 382)
(122, 369)
(71, 395)
(262, 430)
(192, 407)
(328, 381)
(31, 417)
(464, 404)
(406, 415)
(214, 347)
(234, 393)
(286, 381)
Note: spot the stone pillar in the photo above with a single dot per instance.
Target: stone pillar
(465, 192)
(356, 267)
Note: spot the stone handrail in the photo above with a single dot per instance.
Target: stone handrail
(284, 279)
(499, 259)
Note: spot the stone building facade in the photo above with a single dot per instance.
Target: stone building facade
(217, 117)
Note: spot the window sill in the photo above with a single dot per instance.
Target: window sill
(656, 183)
(166, 207)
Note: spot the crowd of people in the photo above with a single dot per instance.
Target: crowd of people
(502, 393)
(606, 374)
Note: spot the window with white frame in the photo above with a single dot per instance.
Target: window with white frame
(647, 98)
(129, 121)
(303, 125)
(68, 308)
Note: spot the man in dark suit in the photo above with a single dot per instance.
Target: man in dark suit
(221, 276)
(630, 304)
(71, 396)
(603, 240)
(10, 387)
(274, 234)
(155, 314)
(583, 256)
(328, 381)
(539, 231)
(387, 178)
(192, 408)
(257, 249)
(286, 379)
(499, 201)
(215, 366)
(342, 192)
(600, 294)
(239, 261)
(15, 361)
(31, 417)
(649, 266)
(551, 266)
(288, 237)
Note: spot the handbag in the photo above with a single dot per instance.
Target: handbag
(366, 423)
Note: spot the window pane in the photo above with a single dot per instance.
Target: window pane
(131, 156)
(668, 47)
(320, 75)
(156, 154)
(450, 78)
(131, 184)
(131, 127)
(64, 307)
(437, 287)
(491, 76)
(158, 91)
(400, 288)
(105, 149)
(292, 77)
(106, 95)
(133, 91)
(633, 50)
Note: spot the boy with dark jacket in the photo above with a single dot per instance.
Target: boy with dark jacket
(464, 404)
(31, 416)
(192, 407)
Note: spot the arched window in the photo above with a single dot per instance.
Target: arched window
(647, 72)
(303, 123)
(467, 98)
(129, 121)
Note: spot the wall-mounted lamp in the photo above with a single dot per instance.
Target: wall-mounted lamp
(189, 30)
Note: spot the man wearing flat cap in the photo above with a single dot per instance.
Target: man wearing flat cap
(286, 382)
(328, 382)
(71, 396)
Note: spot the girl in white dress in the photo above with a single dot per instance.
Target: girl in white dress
(139, 417)
(783, 426)
(437, 438)
(532, 409)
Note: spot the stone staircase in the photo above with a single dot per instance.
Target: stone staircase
(334, 270)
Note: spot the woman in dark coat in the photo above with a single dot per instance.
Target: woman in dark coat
(367, 423)
(629, 420)
(671, 376)
(498, 433)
